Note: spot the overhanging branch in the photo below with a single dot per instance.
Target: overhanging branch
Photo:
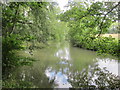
(24, 22)
(105, 17)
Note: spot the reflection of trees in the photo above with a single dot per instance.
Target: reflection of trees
(28, 77)
(94, 77)
(63, 51)
(37, 77)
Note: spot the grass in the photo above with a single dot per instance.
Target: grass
(116, 36)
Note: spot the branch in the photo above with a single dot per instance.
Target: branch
(105, 17)
(85, 14)
(24, 22)
(14, 20)
(88, 13)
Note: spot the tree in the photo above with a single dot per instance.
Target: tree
(87, 24)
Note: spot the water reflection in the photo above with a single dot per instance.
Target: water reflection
(65, 66)
(36, 77)
(59, 77)
(94, 77)
(63, 53)
(110, 64)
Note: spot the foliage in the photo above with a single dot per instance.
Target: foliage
(38, 22)
(114, 28)
(106, 45)
(9, 44)
(27, 22)
(87, 23)
(36, 19)
(14, 84)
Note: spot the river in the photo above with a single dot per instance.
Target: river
(62, 66)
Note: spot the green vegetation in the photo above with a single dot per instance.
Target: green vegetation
(23, 25)
(88, 22)
(33, 25)
(29, 22)
(114, 28)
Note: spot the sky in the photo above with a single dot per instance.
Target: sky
(62, 3)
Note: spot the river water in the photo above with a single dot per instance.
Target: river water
(62, 66)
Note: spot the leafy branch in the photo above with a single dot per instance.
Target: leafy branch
(101, 24)
(24, 22)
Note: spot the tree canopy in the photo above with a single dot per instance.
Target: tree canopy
(87, 21)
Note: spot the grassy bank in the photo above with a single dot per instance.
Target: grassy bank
(103, 45)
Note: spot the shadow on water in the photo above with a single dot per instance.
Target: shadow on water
(64, 66)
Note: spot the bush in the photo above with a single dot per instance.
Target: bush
(106, 45)
(9, 44)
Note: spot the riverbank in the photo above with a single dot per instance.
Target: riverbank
(103, 45)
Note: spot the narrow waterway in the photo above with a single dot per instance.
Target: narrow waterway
(62, 66)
